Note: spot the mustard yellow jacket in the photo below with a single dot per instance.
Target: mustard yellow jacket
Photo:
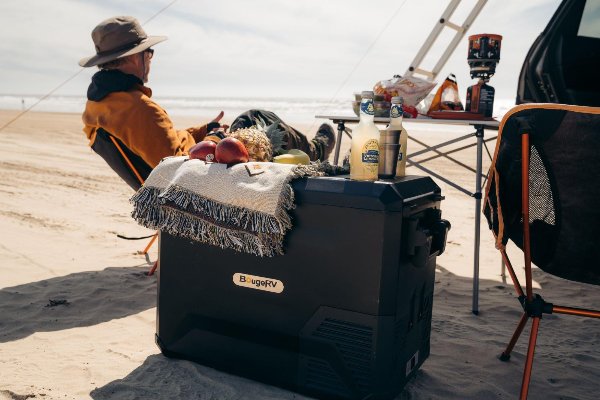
(139, 122)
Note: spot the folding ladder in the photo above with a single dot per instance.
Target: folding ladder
(443, 22)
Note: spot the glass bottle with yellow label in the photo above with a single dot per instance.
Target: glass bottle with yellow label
(364, 152)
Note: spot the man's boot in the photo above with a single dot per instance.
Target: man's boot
(324, 141)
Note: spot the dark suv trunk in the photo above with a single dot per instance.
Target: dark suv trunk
(563, 61)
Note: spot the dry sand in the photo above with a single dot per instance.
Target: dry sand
(77, 313)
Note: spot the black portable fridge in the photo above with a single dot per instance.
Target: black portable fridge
(345, 313)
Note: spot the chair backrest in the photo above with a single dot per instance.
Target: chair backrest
(128, 165)
(564, 187)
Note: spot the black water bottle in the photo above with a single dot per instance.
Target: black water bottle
(480, 99)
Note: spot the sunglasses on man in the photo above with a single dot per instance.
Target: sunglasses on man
(150, 52)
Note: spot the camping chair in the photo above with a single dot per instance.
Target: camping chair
(128, 165)
(545, 172)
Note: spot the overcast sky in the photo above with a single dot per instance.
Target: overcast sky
(258, 48)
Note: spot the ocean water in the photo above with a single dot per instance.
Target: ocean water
(293, 110)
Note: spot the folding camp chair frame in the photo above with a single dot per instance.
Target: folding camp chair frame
(141, 180)
(533, 305)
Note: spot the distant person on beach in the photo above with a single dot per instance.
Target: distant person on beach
(120, 105)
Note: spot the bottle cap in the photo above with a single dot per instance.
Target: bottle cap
(367, 94)
(397, 100)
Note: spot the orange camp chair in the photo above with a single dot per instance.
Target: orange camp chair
(128, 165)
(543, 194)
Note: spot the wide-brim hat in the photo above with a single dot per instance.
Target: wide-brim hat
(118, 37)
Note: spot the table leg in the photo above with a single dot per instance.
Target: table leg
(338, 141)
(479, 134)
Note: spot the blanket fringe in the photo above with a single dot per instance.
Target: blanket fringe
(183, 224)
(224, 214)
(183, 213)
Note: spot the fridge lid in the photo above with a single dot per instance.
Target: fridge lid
(340, 191)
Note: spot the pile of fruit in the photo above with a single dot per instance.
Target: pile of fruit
(243, 145)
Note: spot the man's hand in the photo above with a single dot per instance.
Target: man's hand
(215, 124)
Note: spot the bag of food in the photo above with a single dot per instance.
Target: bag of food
(446, 98)
(411, 88)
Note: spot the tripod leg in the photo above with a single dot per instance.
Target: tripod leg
(529, 362)
(505, 356)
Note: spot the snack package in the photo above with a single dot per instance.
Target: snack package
(411, 88)
(446, 98)
(424, 105)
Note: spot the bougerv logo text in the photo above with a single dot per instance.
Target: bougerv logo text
(258, 282)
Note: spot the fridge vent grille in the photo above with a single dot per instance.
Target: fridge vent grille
(320, 376)
(355, 344)
(400, 328)
(427, 307)
(427, 314)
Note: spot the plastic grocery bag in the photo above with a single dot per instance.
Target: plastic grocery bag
(411, 88)
(447, 98)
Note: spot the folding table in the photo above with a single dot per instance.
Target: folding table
(479, 125)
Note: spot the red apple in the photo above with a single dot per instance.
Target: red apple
(204, 150)
(231, 151)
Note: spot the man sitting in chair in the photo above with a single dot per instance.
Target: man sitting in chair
(119, 105)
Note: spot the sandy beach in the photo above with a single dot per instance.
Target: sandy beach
(77, 311)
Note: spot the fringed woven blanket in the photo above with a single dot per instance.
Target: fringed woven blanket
(243, 207)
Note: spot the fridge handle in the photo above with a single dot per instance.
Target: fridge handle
(422, 244)
(440, 235)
